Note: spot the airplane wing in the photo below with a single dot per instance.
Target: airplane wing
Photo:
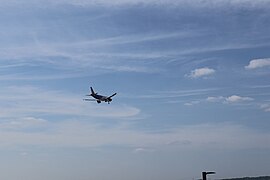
(112, 95)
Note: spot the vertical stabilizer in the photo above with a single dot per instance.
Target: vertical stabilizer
(92, 90)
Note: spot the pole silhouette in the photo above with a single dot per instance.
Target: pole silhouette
(205, 173)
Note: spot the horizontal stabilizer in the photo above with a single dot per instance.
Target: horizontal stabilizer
(89, 99)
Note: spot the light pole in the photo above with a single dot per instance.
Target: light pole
(205, 173)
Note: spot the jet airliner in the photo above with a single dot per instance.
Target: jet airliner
(99, 98)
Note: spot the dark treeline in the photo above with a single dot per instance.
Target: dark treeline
(250, 178)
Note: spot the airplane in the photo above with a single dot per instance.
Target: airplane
(99, 98)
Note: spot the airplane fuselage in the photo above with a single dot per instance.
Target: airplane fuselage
(99, 97)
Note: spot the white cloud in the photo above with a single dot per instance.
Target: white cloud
(258, 63)
(201, 72)
(235, 99)
(215, 99)
(229, 99)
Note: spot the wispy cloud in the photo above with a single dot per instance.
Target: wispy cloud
(24, 123)
(147, 37)
(83, 134)
(195, 3)
(201, 72)
(258, 63)
(229, 99)
(69, 58)
(138, 69)
(192, 103)
(143, 150)
(265, 107)
(174, 93)
(30, 101)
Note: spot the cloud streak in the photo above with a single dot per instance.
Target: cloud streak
(24, 123)
(174, 93)
(83, 134)
(196, 3)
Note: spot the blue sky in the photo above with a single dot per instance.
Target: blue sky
(192, 79)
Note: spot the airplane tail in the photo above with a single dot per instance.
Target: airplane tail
(92, 90)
